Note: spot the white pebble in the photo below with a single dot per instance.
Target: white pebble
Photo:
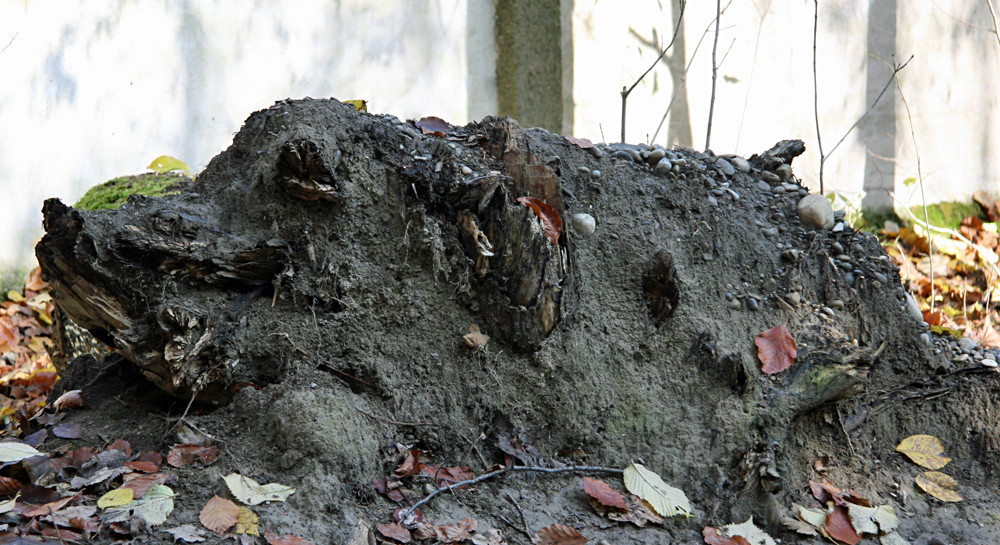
(815, 210)
(989, 363)
(584, 224)
(466, 170)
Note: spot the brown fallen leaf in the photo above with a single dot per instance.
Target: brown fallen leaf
(434, 125)
(581, 143)
(287, 539)
(603, 494)
(775, 349)
(394, 532)
(69, 400)
(558, 534)
(551, 220)
(839, 527)
(475, 339)
(639, 512)
(410, 465)
(713, 536)
(219, 515)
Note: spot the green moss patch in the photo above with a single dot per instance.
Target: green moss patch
(949, 214)
(114, 193)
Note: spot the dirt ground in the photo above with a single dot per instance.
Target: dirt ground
(362, 349)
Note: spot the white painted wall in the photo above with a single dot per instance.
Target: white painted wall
(94, 90)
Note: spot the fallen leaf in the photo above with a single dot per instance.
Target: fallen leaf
(775, 349)
(558, 534)
(813, 517)
(382, 486)
(873, 520)
(67, 430)
(13, 451)
(665, 499)
(166, 163)
(581, 143)
(186, 532)
(447, 476)
(825, 491)
(413, 520)
(219, 515)
(410, 465)
(359, 105)
(34, 281)
(141, 466)
(394, 532)
(246, 522)
(250, 492)
(489, 537)
(838, 526)
(475, 339)
(638, 512)
(122, 446)
(287, 539)
(455, 533)
(69, 400)
(9, 485)
(799, 526)
(156, 505)
(714, 536)
(116, 498)
(141, 483)
(182, 455)
(939, 485)
(434, 125)
(603, 494)
(925, 451)
(743, 533)
(550, 218)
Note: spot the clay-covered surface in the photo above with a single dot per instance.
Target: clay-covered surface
(355, 343)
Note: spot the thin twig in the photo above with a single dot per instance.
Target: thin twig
(993, 14)
(514, 526)
(683, 77)
(627, 90)
(895, 70)
(715, 74)
(920, 182)
(393, 422)
(510, 498)
(819, 137)
(16, 33)
(490, 475)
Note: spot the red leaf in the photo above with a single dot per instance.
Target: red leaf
(550, 218)
(558, 534)
(434, 125)
(446, 476)
(410, 465)
(141, 483)
(838, 525)
(383, 487)
(394, 532)
(287, 539)
(715, 537)
(581, 143)
(603, 494)
(825, 491)
(775, 349)
(120, 444)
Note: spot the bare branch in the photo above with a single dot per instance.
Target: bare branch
(715, 74)
(993, 14)
(626, 91)
(819, 137)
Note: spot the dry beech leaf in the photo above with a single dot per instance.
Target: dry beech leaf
(186, 532)
(838, 526)
(639, 512)
(455, 533)
(775, 349)
(581, 143)
(551, 220)
(219, 515)
(603, 494)
(744, 533)
(665, 499)
(69, 400)
(410, 465)
(434, 125)
(939, 485)
(873, 520)
(475, 338)
(287, 539)
(925, 451)
(713, 536)
(558, 534)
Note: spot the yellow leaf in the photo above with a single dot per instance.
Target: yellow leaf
(247, 522)
(359, 105)
(925, 451)
(166, 163)
(116, 498)
(665, 499)
(15, 296)
(250, 492)
(939, 485)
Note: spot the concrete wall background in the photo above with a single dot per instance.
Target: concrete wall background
(91, 91)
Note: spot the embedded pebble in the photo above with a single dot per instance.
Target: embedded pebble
(815, 210)
(838, 228)
(769, 285)
(960, 358)
(849, 278)
(770, 231)
(913, 308)
(763, 186)
(655, 156)
(837, 247)
(663, 166)
(828, 311)
(724, 167)
(791, 188)
(966, 344)
(583, 170)
(713, 201)
(837, 304)
(466, 170)
(741, 164)
(857, 248)
(770, 177)
(735, 304)
(988, 362)
(752, 303)
(595, 151)
(595, 173)
(777, 189)
(926, 338)
(584, 224)
(784, 171)
(622, 154)
(794, 298)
